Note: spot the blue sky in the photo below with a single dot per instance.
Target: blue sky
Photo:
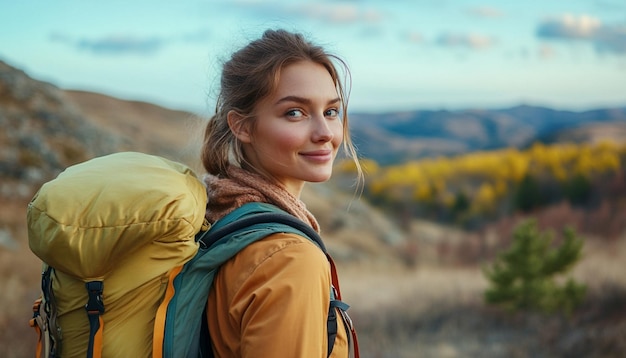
(403, 54)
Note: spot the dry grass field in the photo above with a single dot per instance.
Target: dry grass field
(434, 311)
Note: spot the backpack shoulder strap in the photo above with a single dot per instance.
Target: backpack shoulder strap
(254, 214)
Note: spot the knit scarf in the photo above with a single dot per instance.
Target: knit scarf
(241, 187)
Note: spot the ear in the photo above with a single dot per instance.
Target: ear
(239, 127)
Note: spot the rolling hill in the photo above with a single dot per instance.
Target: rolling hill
(424, 133)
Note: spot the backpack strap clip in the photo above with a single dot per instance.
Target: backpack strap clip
(94, 305)
(95, 309)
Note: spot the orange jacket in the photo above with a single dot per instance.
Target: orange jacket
(272, 300)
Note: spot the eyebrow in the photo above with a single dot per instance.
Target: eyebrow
(303, 100)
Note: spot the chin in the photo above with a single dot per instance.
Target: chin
(319, 179)
(317, 176)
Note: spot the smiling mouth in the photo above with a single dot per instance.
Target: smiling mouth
(319, 156)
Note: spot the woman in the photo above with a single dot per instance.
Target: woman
(280, 120)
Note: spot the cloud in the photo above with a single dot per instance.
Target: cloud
(472, 41)
(547, 52)
(59, 37)
(605, 38)
(611, 39)
(569, 27)
(340, 13)
(335, 13)
(486, 12)
(122, 44)
(126, 44)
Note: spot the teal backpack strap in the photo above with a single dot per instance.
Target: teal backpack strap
(208, 238)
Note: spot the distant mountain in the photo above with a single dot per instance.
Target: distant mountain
(417, 134)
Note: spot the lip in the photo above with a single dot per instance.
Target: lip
(322, 155)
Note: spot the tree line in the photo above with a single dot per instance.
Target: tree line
(472, 188)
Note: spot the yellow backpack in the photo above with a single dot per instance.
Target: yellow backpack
(127, 220)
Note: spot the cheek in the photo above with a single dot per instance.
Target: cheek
(337, 130)
(282, 138)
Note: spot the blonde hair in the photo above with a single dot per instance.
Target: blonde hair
(249, 76)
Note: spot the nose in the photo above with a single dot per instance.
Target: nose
(322, 131)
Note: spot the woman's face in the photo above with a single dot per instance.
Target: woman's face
(297, 129)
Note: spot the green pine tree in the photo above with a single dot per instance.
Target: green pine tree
(523, 277)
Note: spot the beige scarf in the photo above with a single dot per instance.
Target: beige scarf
(241, 187)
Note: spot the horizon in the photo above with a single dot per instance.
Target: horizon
(403, 56)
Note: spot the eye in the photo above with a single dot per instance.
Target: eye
(294, 113)
(332, 113)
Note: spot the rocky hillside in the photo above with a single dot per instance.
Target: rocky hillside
(42, 132)
(46, 129)
(143, 126)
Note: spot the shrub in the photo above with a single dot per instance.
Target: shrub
(524, 276)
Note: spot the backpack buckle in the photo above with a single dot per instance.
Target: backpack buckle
(94, 305)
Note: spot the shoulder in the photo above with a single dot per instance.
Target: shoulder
(277, 255)
(283, 247)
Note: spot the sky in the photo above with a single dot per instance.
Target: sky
(402, 54)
